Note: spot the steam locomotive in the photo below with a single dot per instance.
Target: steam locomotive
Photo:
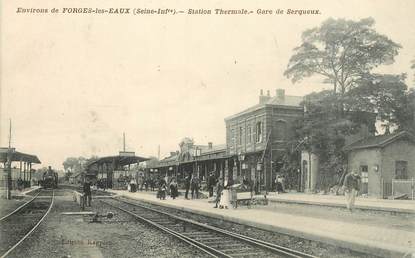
(49, 179)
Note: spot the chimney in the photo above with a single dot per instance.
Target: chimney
(280, 94)
(262, 98)
(210, 144)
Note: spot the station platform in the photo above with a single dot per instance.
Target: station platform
(25, 191)
(18, 199)
(362, 203)
(374, 239)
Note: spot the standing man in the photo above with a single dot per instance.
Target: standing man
(351, 188)
(187, 186)
(173, 188)
(195, 187)
(219, 189)
(211, 183)
(87, 193)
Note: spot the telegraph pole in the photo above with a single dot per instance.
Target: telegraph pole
(123, 136)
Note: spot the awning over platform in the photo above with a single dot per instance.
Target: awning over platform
(119, 159)
(18, 156)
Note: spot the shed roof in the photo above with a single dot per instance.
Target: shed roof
(219, 149)
(379, 141)
(18, 156)
(119, 159)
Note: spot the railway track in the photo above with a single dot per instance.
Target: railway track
(18, 225)
(20, 207)
(211, 240)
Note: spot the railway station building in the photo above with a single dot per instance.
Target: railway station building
(193, 159)
(256, 140)
(21, 167)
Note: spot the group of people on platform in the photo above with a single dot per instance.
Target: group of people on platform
(167, 187)
(143, 184)
(220, 189)
(192, 183)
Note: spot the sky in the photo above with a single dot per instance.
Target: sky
(72, 84)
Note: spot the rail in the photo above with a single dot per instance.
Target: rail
(265, 246)
(20, 207)
(33, 228)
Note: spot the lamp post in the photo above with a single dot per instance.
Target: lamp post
(196, 155)
(244, 167)
(170, 171)
(241, 158)
(258, 181)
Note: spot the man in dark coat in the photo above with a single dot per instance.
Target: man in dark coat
(187, 186)
(87, 193)
(211, 183)
(219, 189)
(351, 188)
(195, 187)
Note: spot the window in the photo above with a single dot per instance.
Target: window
(280, 130)
(249, 134)
(401, 169)
(240, 135)
(259, 132)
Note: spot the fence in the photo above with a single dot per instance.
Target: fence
(402, 187)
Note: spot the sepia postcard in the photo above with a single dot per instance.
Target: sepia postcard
(176, 128)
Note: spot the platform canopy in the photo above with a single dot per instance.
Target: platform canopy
(18, 156)
(125, 158)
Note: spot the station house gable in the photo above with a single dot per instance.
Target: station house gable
(381, 159)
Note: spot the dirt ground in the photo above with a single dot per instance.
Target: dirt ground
(75, 236)
(7, 206)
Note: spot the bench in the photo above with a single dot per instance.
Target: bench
(238, 198)
(246, 198)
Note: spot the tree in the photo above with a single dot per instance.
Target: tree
(383, 94)
(70, 163)
(323, 132)
(406, 114)
(75, 164)
(341, 51)
(413, 67)
(387, 96)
